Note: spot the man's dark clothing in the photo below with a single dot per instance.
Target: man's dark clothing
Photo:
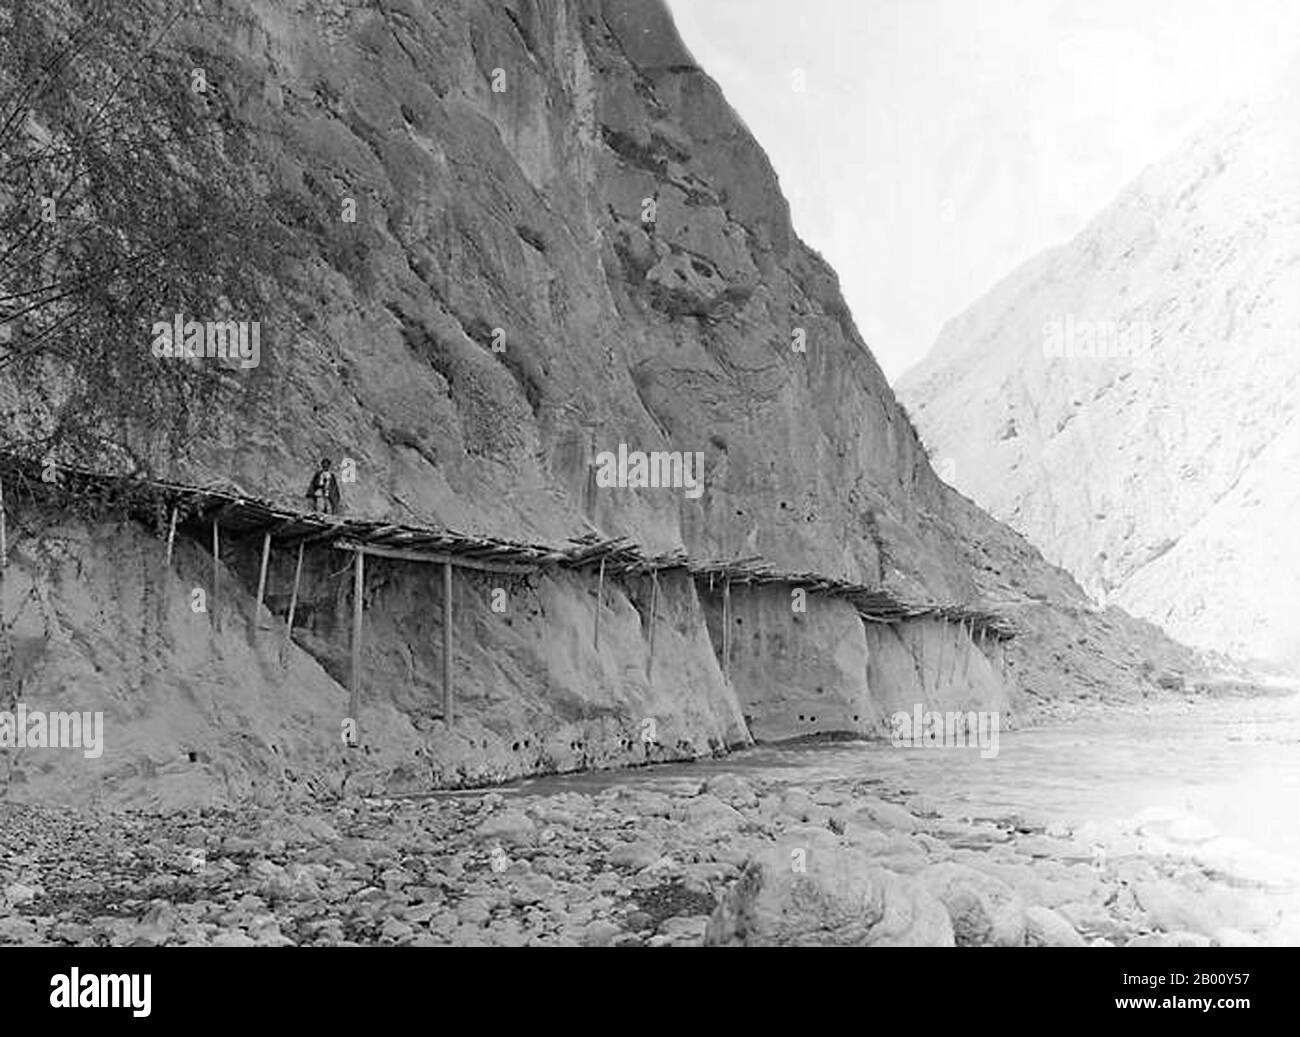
(324, 491)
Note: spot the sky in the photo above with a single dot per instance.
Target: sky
(929, 147)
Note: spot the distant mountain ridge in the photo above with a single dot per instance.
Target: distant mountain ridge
(1165, 480)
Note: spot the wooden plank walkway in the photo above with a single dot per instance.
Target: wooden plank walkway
(208, 511)
(195, 506)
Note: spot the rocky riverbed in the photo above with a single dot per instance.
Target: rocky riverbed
(726, 859)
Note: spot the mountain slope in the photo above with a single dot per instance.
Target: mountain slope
(1158, 469)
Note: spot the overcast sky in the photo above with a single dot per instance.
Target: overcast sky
(937, 144)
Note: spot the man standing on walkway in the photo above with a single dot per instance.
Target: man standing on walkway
(324, 489)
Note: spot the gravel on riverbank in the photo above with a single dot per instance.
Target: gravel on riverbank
(627, 866)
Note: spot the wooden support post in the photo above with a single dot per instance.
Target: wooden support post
(954, 665)
(448, 703)
(171, 537)
(943, 631)
(261, 579)
(216, 563)
(600, 598)
(293, 598)
(920, 647)
(654, 605)
(4, 530)
(963, 654)
(726, 630)
(358, 606)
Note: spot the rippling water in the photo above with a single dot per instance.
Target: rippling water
(1235, 764)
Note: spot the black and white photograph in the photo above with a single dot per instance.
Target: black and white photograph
(609, 474)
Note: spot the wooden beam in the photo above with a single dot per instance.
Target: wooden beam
(447, 696)
(435, 557)
(358, 605)
(315, 538)
(600, 597)
(293, 598)
(261, 578)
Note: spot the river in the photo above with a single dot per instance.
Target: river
(1233, 764)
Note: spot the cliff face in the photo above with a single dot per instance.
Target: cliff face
(564, 241)
(504, 308)
(1162, 478)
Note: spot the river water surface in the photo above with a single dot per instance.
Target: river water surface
(1234, 764)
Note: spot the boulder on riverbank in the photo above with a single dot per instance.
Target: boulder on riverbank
(830, 896)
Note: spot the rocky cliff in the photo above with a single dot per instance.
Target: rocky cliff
(1128, 401)
(523, 233)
